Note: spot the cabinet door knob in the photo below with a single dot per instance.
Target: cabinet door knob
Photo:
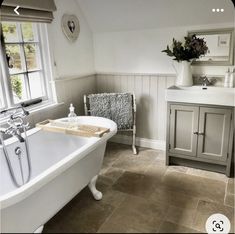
(201, 133)
(196, 133)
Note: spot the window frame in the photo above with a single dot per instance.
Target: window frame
(2, 93)
(44, 68)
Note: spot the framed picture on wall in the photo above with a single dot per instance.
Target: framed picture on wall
(70, 27)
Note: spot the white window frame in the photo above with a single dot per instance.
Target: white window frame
(45, 68)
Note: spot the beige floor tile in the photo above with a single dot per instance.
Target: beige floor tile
(204, 189)
(208, 174)
(174, 198)
(112, 153)
(112, 197)
(136, 215)
(168, 227)
(135, 184)
(181, 216)
(229, 199)
(230, 186)
(79, 216)
(205, 209)
(155, 171)
(135, 163)
(178, 169)
(110, 175)
(114, 227)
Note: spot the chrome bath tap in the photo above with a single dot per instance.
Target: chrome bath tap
(15, 123)
(15, 127)
(12, 132)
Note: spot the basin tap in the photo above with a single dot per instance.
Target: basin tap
(205, 81)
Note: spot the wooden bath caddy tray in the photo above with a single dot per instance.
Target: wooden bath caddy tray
(72, 128)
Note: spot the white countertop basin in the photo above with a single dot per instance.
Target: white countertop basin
(202, 95)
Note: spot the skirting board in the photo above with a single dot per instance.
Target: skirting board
(142, 142)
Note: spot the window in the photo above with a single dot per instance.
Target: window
(23, 64)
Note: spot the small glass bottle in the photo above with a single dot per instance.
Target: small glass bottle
(72, 116)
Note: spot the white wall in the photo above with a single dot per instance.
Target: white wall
(140, 51)
(71, 58)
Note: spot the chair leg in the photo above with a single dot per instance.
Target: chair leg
(133, 141)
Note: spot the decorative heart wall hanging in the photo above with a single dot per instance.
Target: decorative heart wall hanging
(70, 26)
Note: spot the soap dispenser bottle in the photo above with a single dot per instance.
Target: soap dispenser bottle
(227, 79)
(72, 116)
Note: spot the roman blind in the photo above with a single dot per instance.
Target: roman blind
(30, 10)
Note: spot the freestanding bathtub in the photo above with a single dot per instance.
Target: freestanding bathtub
(62, 165)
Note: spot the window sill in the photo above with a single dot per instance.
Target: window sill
(43, 106)
(35, 109)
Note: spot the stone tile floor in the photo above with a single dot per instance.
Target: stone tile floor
(142, 195)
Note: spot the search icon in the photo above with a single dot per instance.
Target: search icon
(217, 225)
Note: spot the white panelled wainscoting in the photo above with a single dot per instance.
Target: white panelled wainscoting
(151, 105)
(68, 90)
(150, 98)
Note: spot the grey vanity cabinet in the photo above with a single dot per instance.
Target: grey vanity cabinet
(183, 125)
(213, 135)
(200, 136)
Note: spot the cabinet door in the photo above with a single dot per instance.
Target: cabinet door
(183, 129)
(213, 136)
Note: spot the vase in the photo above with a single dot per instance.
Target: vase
(184, 73)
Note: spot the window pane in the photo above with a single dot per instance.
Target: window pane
(31, 55)
(36, 85)
(28, 32)
(14, 58)
(18, 88)
(10, 32)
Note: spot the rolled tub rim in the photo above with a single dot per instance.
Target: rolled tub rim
(52, 172)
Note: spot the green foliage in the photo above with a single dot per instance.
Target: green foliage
(27, 30)
(16, 84)
(8, 29)
(192, 48)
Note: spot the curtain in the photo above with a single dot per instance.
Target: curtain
(29, 10)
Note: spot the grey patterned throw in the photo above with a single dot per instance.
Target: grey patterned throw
(114, 106)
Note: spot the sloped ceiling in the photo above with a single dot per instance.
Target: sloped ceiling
(121, 15)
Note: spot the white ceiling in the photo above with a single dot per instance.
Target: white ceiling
(121, 15)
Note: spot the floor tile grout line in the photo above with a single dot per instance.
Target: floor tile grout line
(196, 214)
(198, 200)
(225, 193)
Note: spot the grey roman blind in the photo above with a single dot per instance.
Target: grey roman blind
(30, 10)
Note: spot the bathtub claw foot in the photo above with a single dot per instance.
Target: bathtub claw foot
(92, 186)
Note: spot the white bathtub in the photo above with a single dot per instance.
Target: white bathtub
(62, 165)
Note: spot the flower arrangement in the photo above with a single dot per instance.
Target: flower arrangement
(192, 48)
